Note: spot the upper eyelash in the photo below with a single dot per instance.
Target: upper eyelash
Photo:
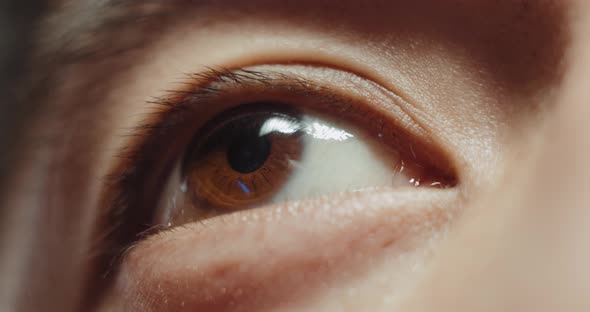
(199, 86)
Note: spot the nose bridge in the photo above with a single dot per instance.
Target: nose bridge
(563, 170)
(555, 209)
(525, 246)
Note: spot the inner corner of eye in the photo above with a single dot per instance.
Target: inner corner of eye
(265, 153)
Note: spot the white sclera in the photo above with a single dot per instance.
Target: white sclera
(336, 160)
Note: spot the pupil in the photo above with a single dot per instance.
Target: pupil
(248, 153)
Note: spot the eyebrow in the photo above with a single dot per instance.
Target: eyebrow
(80, 31)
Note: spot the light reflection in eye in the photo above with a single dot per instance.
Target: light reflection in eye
(315, 129)
(279, 124)
(243, 187)
(325, 132)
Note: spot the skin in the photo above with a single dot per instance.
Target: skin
(499, 87)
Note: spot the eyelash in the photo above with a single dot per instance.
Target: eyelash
(174, 116)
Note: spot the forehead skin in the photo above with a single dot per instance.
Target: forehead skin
(83, 46)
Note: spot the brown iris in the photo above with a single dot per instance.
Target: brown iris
(244, 159)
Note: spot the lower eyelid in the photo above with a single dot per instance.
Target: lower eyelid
(238, 252)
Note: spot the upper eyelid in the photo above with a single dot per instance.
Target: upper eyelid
(200, 87)
(215, 83)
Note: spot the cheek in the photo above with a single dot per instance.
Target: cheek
(289, 256)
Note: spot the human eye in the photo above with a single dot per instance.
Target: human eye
(268, 142)
(230, 140)
(300, 143)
